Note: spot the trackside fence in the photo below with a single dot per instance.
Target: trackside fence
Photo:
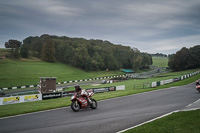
(37, 97)
(65, 82)
(163, 82)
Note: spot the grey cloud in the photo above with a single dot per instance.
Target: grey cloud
(139, 24)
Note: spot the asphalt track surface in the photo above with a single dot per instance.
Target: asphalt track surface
(111, 115)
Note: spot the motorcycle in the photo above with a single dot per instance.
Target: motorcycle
(198, 88)
(81, 102)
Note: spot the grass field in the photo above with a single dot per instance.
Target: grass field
(160, 61)
(27, 72)
(181, 122)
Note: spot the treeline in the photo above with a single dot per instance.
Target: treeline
(89, 55)
(185, 59)
(159, 55)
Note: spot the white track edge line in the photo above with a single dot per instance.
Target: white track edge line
(162, 117)
(147, 121)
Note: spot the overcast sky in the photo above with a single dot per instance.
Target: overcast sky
(153, 26)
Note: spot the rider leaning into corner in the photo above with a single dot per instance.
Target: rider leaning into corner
(82, 92)
(197, 82)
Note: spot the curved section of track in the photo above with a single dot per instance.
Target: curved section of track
(111, 115)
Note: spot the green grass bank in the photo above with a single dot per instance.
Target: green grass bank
(27, 72)
(181, 122)
(160, 61)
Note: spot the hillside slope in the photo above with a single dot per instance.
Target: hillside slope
(160, 61)
(27, 72)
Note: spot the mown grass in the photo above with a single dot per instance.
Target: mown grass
(21, 108)
(181, 122)
(27, 72)
(160, 61)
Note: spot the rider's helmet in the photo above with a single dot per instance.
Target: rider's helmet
(77, 88)
(197, 82)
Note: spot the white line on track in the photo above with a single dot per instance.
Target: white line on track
(147, 121)
(156, 119)
(193, 103)
(191, 109)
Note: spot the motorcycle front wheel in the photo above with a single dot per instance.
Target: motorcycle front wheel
(93, 104)
(75, 106)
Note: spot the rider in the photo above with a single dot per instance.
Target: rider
(78, 89)
(197, 82)
(82, 92)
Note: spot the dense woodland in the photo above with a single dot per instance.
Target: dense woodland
(94, 55)
(89, 55)
(185, 59)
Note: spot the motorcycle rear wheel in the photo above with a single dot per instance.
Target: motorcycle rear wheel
(93, 105)
(75, 106)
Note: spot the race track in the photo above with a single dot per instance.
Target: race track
(111, 115)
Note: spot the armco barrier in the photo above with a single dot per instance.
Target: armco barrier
(158, 83)
(163, 82)
(122, 87)
(20, 99)
(153, 84)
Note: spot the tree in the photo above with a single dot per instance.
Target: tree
(24, 51)
(111, 62)
(137, 63)
(97, 62)
(146, 61)
(82, 58)
(15, 54)
(48, 50)
(180, 60)
(12, 44)
(193, 61)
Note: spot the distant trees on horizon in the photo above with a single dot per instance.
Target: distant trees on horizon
(89, 55)
(94, 55)
(159, 55)
(185, 59)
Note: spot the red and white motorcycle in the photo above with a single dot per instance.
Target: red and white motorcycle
(198, 88)
(83, 101)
